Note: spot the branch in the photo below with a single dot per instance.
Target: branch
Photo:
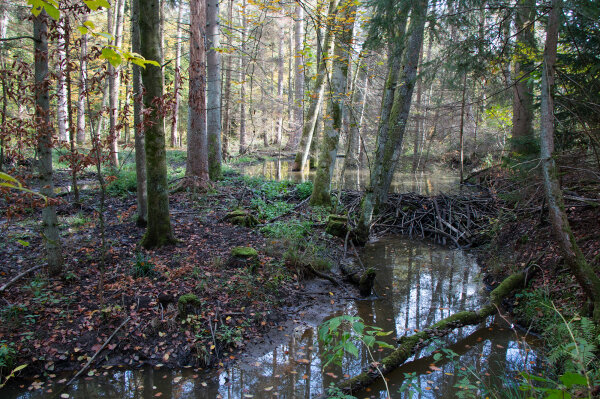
(97, 352)
(8, 284)
(8, 39)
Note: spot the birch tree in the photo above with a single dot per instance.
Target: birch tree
(175, 140)
(61, 84)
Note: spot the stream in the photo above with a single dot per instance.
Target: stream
(418, 283)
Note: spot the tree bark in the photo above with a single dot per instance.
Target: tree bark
(140, 153)
(227, 89)
(61, 85)
(197, 144)
(82, 88)
(574, 258)
(308, 129)
(522, 123)
(321, 194)
(243, 137)
(158, 232)
(296, 129)
(280, 70)
(175, 140)
(213, 92)
(352, 159)
(44, 143)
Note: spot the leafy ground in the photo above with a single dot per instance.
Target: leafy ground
(54, 324)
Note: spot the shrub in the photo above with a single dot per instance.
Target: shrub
(143, 266)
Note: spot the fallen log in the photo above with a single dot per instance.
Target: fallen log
(408, 345)
(17, 277)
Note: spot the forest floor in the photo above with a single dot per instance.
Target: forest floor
(58, 324)
(522, 236)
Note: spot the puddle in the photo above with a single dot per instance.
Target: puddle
(418, 284)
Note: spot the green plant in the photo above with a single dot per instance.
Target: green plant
(342, 334)
(304, 189)
(271, 209)
(7, 355)
(292, 230)
(124, 184)
(334, 392)
(143, 266)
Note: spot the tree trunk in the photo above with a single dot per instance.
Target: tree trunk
(158, 232)
(321, 194)
(140, 153)
(175, 141)
(462, 128)
(3, 29)
(352, 159)
(227, 90)
(114, 82)
(197, 145)
(44, 143)
(394, 114)
(522, 129)
(574, 258)
(213, 92)
(82, 88)
(280, 70)
(61, 88)
(243, 138)
(296, 129)
(316, 100)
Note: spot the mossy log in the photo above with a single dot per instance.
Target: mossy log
(241, 218)
(408, 345)
(243, 257)
(364, 279)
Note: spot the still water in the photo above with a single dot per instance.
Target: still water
(418, 284)
(425, 183)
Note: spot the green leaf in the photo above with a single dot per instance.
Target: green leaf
(111, 56)
(369, 340)
(558, 394)
(437, 356)
(83, 30)
(52, 11)
(95, 4)
(351, 348)
(9, 178)
(23, 243)
(570, 379)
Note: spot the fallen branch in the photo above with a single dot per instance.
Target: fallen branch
(17, 277)
(323, 276)
(97, 352)
(408, 345)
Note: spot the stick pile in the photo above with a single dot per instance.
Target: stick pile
(456, 220)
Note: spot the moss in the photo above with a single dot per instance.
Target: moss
(337, 225)
(187, 303)
(244, 252)
(239, 217)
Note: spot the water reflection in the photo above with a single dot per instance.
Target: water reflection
(357, 179)
(418, 284)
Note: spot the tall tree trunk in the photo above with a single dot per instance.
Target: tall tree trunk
(394, 114)
(298, 80)
(175, 141)
(213, 92)
(114, 83)
(352, 159)
(3, 29)
(158, 232)
(581, 269)
(61, 88)
(321, 194)
(316, 100)
(462, 128)
(82, 88)
(522, 129)
(243, 138)
(227, 90)
(71, 132)
(140, 153)
(280, 70)
(44, 143)
(419, 119)
(197, 145)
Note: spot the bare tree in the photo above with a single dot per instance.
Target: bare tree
(213, 92)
